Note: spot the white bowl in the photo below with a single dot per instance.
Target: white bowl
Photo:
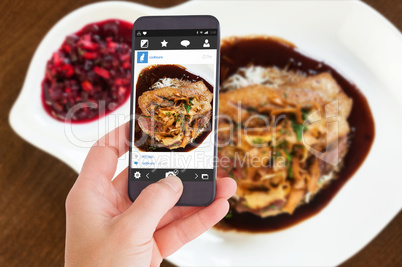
(349, 36)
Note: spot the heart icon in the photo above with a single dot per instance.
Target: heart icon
(144, 33)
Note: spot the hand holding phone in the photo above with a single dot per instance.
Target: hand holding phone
(174, 105)
(101, 220)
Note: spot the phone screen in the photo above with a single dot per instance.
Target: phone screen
(174, 104)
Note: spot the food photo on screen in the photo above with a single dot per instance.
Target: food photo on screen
(174, 107)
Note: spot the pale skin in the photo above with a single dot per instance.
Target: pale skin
(104, 228)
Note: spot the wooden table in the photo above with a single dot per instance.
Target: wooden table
(34, 185)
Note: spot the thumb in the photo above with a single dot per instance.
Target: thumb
(152, 204)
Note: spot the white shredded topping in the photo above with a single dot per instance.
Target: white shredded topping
(252, 75)
(168, 82)
(307, 197)
(327, 177)
(322, 181)
(269, 176)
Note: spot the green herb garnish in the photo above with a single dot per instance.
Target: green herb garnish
(228, 216)
(231, 175)
(304, 114)
(188, 107)
(290, 171)
(298, 128)
(257, 141)
(270, 207)
(287, 153)
(288, 156)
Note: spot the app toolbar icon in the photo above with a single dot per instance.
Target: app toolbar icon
(206, 43)
(144, 43)
(137, 175)
(185, 43)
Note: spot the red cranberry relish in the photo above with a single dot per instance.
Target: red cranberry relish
(91, 68)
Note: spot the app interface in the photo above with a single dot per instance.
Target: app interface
(174, 104)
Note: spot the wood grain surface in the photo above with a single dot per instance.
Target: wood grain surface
(34, 185)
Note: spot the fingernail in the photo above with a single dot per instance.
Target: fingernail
(174, 182)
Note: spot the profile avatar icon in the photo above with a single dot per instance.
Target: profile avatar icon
(206, 44)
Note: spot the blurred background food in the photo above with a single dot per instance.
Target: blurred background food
(291, 128)
(91, 66)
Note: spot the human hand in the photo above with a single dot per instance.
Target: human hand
(104, 228)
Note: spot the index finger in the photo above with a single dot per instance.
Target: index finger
(102, 158)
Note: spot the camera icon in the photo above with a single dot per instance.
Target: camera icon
(137, 175)
(169, 173)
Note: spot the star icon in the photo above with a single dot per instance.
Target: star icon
(164, 43)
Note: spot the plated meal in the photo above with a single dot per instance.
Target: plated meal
(289, 125)
(289, 130)
(89, 76)
(175, 108)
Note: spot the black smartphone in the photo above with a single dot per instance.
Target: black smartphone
(174, 105)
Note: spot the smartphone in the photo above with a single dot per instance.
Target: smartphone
(174, 105)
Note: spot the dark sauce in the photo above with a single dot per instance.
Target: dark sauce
(271, 52)
(146, 79)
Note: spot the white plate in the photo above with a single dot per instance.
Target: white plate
(348, 35)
